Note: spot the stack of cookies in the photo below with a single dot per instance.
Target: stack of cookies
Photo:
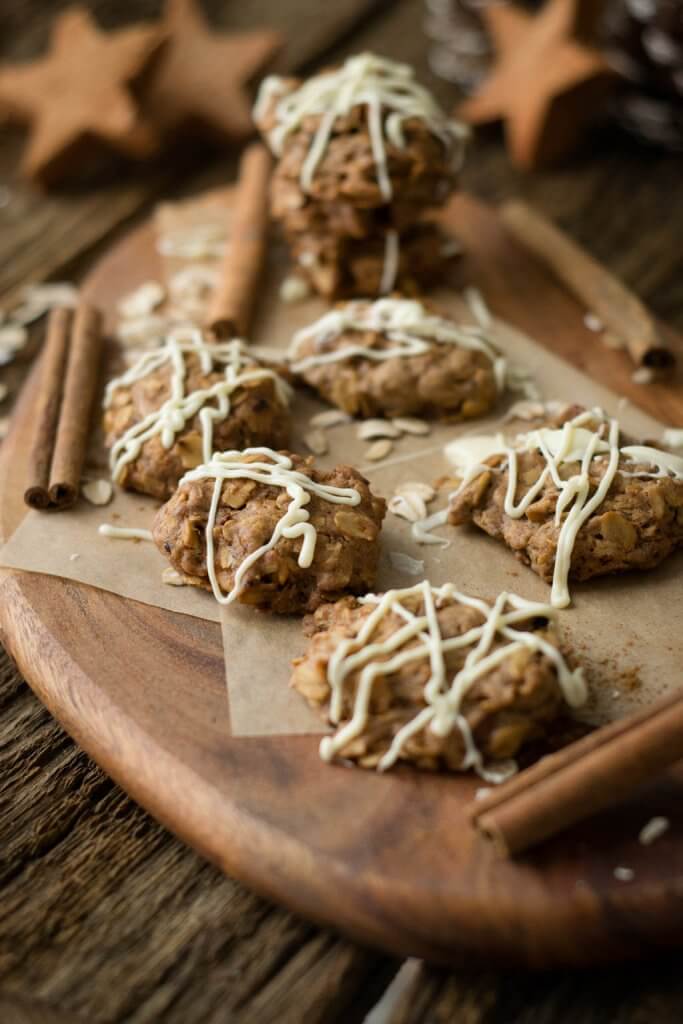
(363, 153)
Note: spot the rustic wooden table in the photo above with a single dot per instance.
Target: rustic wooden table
(106, 917)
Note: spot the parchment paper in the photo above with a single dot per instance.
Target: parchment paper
(628, 630)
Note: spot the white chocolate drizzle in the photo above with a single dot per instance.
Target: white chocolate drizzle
(212, 403)
(589, 437)
(124, 532)
(420, 639)
(406, 323)
(275, 470)
(386, 89)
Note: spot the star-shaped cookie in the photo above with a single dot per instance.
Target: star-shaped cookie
(78, 91)
(201, 77)
(546, 84)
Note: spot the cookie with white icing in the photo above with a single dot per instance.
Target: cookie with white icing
(178, 404)
(398, 357)
(574, 499)
(366, 133)
(431, 676)
(271, 530)
(363, 151)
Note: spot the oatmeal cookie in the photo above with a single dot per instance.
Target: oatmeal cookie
(445, 379)
(256, 414)
(499, 710)
(337, 508)
(628, 504)
(421, 166)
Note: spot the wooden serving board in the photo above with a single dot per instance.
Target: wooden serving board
(388, 859)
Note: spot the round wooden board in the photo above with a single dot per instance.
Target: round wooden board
(389, 859)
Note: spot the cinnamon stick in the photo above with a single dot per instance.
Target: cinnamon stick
(230, 310)
(80, 385)
(583, 779)
(46, 413)
(599, 290)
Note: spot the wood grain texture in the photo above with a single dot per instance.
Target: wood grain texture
(164, 935)
(332, 844)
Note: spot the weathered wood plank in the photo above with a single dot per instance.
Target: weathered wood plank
(105, 915)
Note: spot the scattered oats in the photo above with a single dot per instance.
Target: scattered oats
(143, 330)
(172, 578)
(408, 506)
(329, 418)
(624, 874)
(368, 430)
(74, 557)
(451, 248)
(199, 242)
(97, 492)
(55, 293)
(411, 425)
(655, 828)
(525, 410)
(142, 301)
(519, 378)
(193, 283)
(478, 308)
(4, 391)
(294, 289)
(38, 299)
(424, 491)
(643, 375)
(672, 437)
(13, 337)
(482, 792)
(593, 322)
(316, 442)
(379, 450)
(611, 340)
(404, 563)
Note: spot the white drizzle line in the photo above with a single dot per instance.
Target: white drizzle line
(576, 441)
(212, 402)
(277, 472)
(419, 639)
(124, 532)
(392, 254)
(386, 88)
(404, 322)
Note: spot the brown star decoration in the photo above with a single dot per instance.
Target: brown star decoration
(546, 84)
(201, 77)
(79, 91)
